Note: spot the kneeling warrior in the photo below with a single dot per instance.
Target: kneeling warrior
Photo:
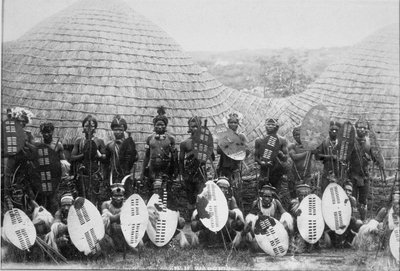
(235, 224)
(59, 237)
(111, 210)
(267, 204)
(89, 152)
(161, 156)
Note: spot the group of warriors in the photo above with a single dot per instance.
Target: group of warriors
(93, 201)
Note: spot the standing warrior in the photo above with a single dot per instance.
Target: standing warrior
(50, 157)
(359, 167)
(271, 170)
(227, 166)
(161, 156)
(119, 156)
(302, 161)
(88, 152)
(15, 165)
(327, 152)
(192, 171)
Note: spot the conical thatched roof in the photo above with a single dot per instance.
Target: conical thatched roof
(364, 82)
(102, 58)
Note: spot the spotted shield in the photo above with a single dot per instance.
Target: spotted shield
(212, 207)
(271, 236)
(314, 127)
(231, 144)
(162, 224)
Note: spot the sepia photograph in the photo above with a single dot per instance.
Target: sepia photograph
(200, 135)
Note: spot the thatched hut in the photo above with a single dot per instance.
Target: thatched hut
(102, 58)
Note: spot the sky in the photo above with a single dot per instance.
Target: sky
(226, 25)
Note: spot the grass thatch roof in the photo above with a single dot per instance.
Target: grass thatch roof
(102, 58)
(365, 82)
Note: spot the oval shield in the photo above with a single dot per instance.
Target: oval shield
(310, 222)
(231, 144)
(203, 144)
(89, 150)
(134, 219)
(162, 224)
(13, 136)
(314, 127)
(85, 226)
(346, 135)
(19, 229)
(394, 242)
(212, 207)
(336, 208)
(47, 169)
(270, 149)
(271, 236)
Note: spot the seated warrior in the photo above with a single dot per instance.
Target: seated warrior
(88, 158)
(302, 191)
(267, 204)
(161, 156)
(271, 172)
(227, 166)
(58, 237)
(234, 225)
(355, 222)
(192, 171)
(111, 211)
(115, 171)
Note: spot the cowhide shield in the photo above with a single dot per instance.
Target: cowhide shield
(346, 135)
(12, 136)
(47, 169)
(231, 144)
(314, 127)
(270, 149)
(394, 243)
(134, 219)
(212, 207)
(336, 208)
(203, 144)
(85, 226)
(162, 224)
(375, 148)
(310, 222)
(19, 229)
(271, 236)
